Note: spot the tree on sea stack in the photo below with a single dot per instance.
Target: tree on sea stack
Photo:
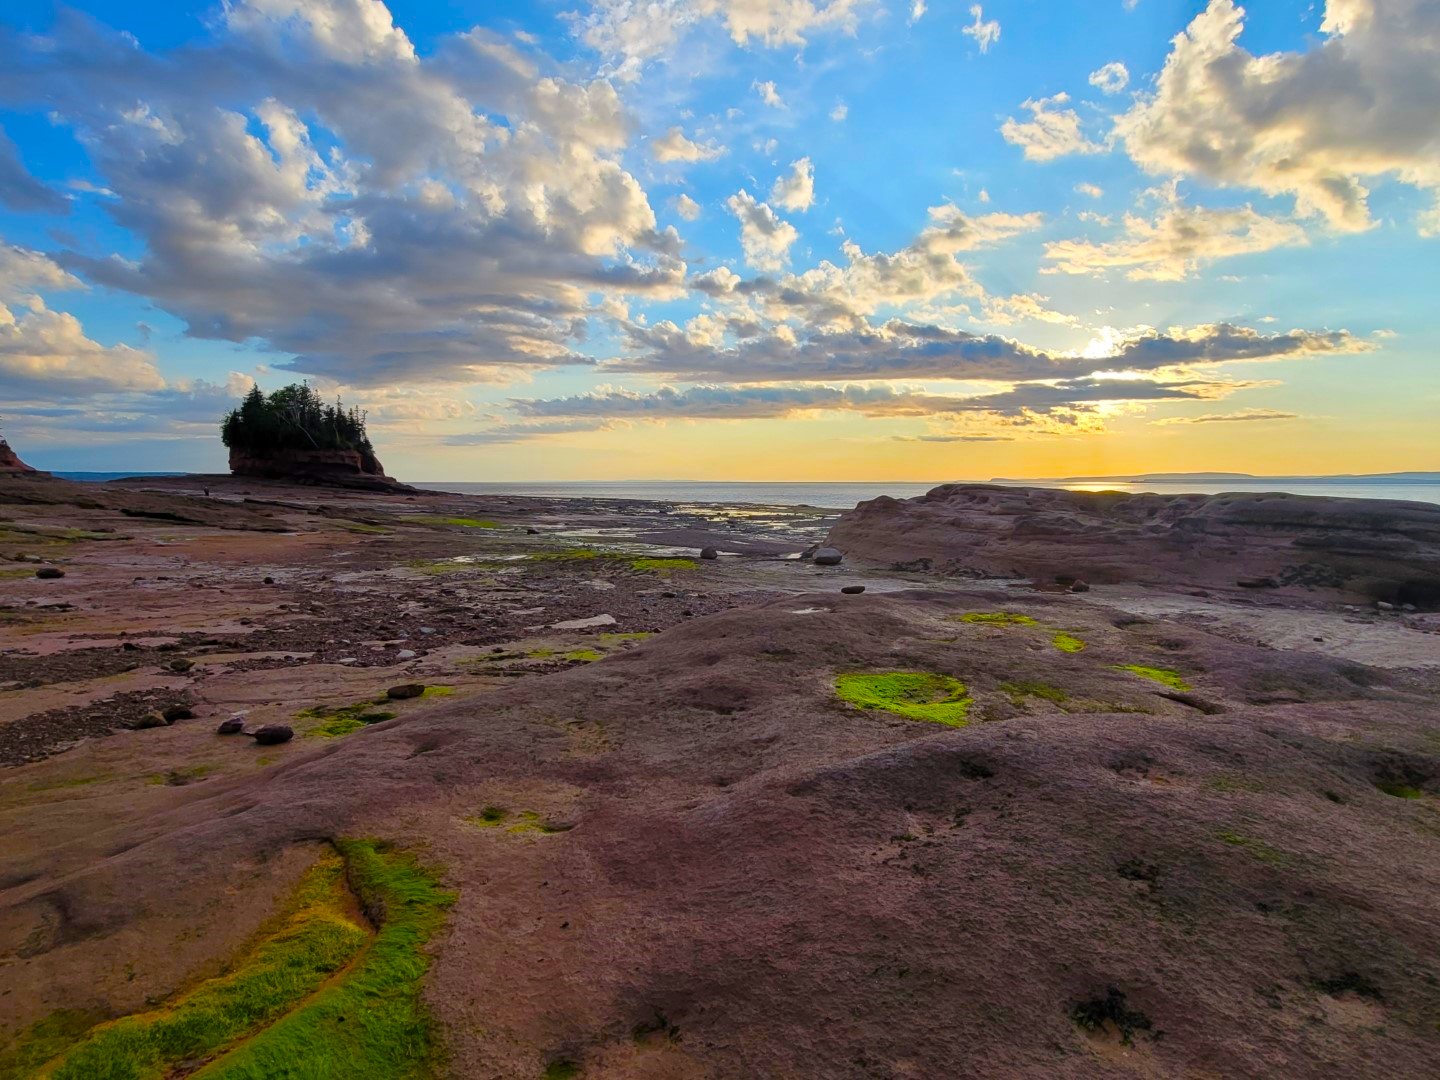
(293, 434)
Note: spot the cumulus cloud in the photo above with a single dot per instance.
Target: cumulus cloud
(1111, 79)
(630, 35)
(796, 189)
(1362, 104)
(765, 236)
(687, 207)
(768, 94)
(465, 206)
(45, 353)
(1051, 132)
(19, 190)
(1173, 245)
(839, 112)
(985, 33)
(674, 146)
(917, 11)
(1090, 191)
(24, 272)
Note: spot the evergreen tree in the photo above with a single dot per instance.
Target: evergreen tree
(293, 418)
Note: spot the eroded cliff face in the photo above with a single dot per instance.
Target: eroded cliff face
(10, 461)
(1379, 549)
(346, 468)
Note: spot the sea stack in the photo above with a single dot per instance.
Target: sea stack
(10, 463)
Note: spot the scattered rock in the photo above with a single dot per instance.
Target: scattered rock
(853, 590)
(272, 734)
(532, 532)
(348, 660)
(269, 581)
(180, 665)
(233, 726)
(49, 573)
(149, 720)
(709, 553)
(171, 713)
(406, 654)
(1381, 605)
(827, 556)
(1258, 583)
(809, 553)
(582, 624)
(405, 690)
(1079, 586)
(427, 630)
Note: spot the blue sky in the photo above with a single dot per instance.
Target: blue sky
(722, 239)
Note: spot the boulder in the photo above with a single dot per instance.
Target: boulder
(1375, 549)
(272, 734)
(1079, 586)
(171, 713)
(853, 590)
(235, 725)
(405, 691)
(49, 573)
(709, 553)
(828, 556)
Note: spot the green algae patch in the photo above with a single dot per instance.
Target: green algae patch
(335, 722)
(915, 695)
(663, 566)
(1017, 692)
(568, 555)
(1164, 676)
(491, 817)
(437, 691)
(994, 618)
(1400, 791)
(619, 638)
(364, 528)
(312, 940)
(460, 522)
(1258, 848)
(561, 1070)
(1067, 643)
(586, 656)
(527, 821)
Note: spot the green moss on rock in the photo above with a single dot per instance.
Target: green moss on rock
(915, 695)
(343, 720)
(1164, 676)
(1067, 643)
(994, 618)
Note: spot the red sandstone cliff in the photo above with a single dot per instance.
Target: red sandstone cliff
(10, 462)
(344, 468)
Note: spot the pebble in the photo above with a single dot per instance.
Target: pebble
(709, 553)
(348, 660)
(1079, 586)
(427, 630)
(272, 734)
(1381, 605)
(49, 573)
(853, 590)
(181, 665)
(171, 713)
(233, 726)
(406, 654)
(405, 691)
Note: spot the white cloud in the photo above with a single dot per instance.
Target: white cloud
(765, 237)
(23, 272)
(985, 33)
(1052, 132)
(839, 112)
(1178, 241)
(1243, 416)
(1092, 191)
(917, 11)
(46, 353)
(1363, 103)
(1111, 79)
(674, 146)
(796, 189)
(768, 94)
(687, 207)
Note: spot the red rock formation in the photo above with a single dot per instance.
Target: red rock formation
(346, 468)
(1377, 548)
(10, 462)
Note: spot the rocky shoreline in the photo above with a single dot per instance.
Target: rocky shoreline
(740, 815)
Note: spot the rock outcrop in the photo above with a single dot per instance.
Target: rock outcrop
(10, 463)
(1379, 549)
(342, 468)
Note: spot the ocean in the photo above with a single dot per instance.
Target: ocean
(844, 496)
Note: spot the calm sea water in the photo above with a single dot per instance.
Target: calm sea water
(844, 496)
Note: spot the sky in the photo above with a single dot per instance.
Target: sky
(728, 239)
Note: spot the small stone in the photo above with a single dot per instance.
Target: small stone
(272, 734)
(406, 654)
(532, 532)
(28, 558)
(427, 630)
(1381, 605)
(180, 665)
(149, 720)
(233, 726)
(1079, 586)
(129, 646)
(171, 713)
(348, 660)
(49, 573)
(709, 553)
(405, 690)
(827, 556)
(1408, 607)
(853, 590)
(269, 581)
